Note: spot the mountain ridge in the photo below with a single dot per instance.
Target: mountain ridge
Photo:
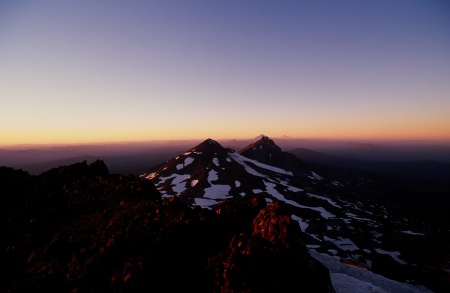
(335, 219)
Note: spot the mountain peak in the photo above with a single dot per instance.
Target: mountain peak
(260, 136)
(266, 151)
(209, 146)
(211, 141)
(264, 144)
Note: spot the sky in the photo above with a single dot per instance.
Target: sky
(102, 71)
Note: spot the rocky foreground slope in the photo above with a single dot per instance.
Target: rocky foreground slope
(80, 229)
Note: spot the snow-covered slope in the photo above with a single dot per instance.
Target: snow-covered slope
(347, 227)
(350, 279)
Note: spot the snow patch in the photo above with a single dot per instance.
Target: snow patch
(346, 278)
(242, 160)
(337, 183)
(283, 182)
(179, 184)
(376, 234)
(394, 254)
(165, 195)
(303, 224)
(342, 243)
(331, 202)
(315, 176)
(340, 280)
(355, 217)
(333, 251)
(272, 191)
(212, 176)
(413, 233)
(204, 202)
(164, 179)
(218, 191)
(294, 189)
(186, 162)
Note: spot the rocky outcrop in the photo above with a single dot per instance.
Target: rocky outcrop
(271, 258)
(79, 228)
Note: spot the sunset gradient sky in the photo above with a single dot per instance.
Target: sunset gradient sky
(100, 71)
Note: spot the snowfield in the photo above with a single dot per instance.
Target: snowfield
(347, 278)
(243, 160)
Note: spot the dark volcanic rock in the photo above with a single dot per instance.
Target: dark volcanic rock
(270, 259)
(54, 224)
(78, 228)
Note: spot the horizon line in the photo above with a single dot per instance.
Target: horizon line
(177, 140)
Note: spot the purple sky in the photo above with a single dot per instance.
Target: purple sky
(92, 71)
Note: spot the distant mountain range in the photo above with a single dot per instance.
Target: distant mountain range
(431, 170)
(136, 157)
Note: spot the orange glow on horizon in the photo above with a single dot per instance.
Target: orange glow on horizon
(57, 137)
